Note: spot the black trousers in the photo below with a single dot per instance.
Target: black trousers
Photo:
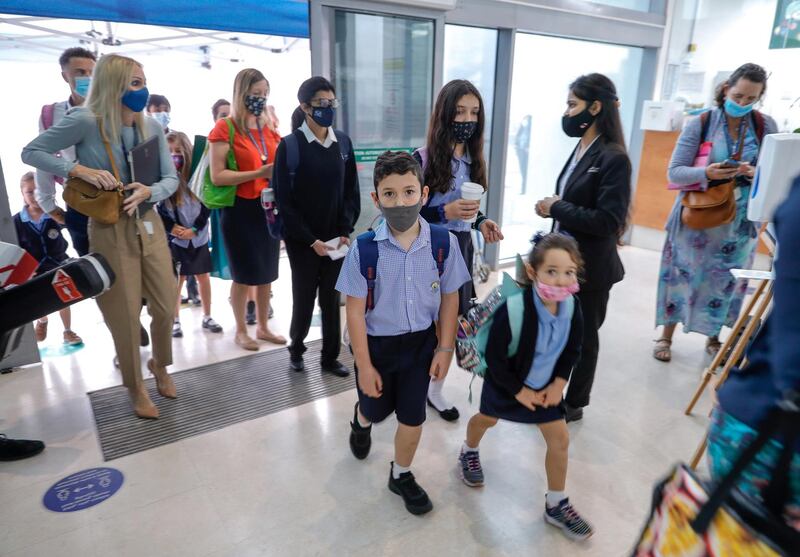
(312, 274)
(467, 291)
(77, 224)
(593, 306)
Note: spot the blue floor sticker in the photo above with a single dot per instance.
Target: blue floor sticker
(58, 350)
(83, 490)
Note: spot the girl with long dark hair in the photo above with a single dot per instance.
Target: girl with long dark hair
(591, 204)
(454, 155)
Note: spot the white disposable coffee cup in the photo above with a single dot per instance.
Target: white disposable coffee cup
(472, 192)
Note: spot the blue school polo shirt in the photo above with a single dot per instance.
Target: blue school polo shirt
(408, 288)
(551, 339)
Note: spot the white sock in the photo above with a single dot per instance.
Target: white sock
(436, 397)
(363, 422)
(397, 470)
(466, 448)
(553, 498)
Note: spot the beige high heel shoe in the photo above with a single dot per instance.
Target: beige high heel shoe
(164, 384)
(143, 407)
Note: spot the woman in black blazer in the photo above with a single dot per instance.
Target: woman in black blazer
(591, 203)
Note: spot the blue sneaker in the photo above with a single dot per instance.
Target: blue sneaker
(471, 469)
(565, 516)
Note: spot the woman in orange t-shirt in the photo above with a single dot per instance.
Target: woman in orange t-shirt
(252, 253)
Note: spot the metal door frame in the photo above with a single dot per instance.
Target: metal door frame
(559, 18)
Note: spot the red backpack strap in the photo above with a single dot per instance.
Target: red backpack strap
(48, 112)
(760, 125)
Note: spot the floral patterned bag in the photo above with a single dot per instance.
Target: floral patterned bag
(690, 517)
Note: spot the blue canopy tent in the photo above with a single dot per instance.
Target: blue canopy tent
(286, 18)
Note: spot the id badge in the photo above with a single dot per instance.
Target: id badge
(148, 227)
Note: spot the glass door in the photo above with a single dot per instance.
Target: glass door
(382, 68)
(537, 149)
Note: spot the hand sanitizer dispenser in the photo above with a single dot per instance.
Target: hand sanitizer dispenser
(778, 166)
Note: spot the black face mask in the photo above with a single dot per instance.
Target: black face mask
(463, 131)
(576, 126)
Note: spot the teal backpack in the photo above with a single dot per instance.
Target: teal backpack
(474, 326)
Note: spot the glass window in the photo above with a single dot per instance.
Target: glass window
(383, 74)
(471, 53)
(537, 147)
(639, 5)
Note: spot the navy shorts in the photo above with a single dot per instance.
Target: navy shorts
(404, 364)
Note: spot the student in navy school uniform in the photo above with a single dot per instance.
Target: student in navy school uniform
(185, 219)
(528, 387)
(40, 235)
(397, 344)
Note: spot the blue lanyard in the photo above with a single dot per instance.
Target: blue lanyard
(263, 150)
(737, 154)
(125, 150)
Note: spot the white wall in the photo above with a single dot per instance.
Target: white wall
(190, 89)
(729, 33)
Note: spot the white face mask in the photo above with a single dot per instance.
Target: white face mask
(162, 118)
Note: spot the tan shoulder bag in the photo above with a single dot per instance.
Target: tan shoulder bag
(101, 205)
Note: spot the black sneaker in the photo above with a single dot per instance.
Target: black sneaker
(250, 316)
(336, 368)
(18, 449)
(415, 498)
(360, 438)
(297, 365)
(573, 414)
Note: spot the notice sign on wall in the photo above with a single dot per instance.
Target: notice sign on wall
(786, 30)
(83, 490)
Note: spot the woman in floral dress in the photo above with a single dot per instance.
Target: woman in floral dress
(695, 285)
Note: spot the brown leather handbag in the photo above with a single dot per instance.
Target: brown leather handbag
(100, 205)
(717, 205)
(711, 208)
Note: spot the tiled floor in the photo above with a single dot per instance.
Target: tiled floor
(286, 484)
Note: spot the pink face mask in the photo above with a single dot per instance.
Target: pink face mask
(550, 293)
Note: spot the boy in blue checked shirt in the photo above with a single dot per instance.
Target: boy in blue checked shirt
(403, 329)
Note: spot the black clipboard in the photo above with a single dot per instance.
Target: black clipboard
(145, 162)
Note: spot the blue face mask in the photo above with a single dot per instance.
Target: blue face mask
(136, 100)
(82, 85)
(736, 110)
(323, 116)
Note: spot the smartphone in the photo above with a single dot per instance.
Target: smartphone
(730, 163)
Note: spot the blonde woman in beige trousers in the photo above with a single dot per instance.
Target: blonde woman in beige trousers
(109, 125)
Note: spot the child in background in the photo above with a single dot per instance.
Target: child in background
(186, 220)
(393, 321)
(453, 155)
(528, 386)
(41, 237)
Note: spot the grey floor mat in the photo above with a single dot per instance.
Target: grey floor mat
(213, 397)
